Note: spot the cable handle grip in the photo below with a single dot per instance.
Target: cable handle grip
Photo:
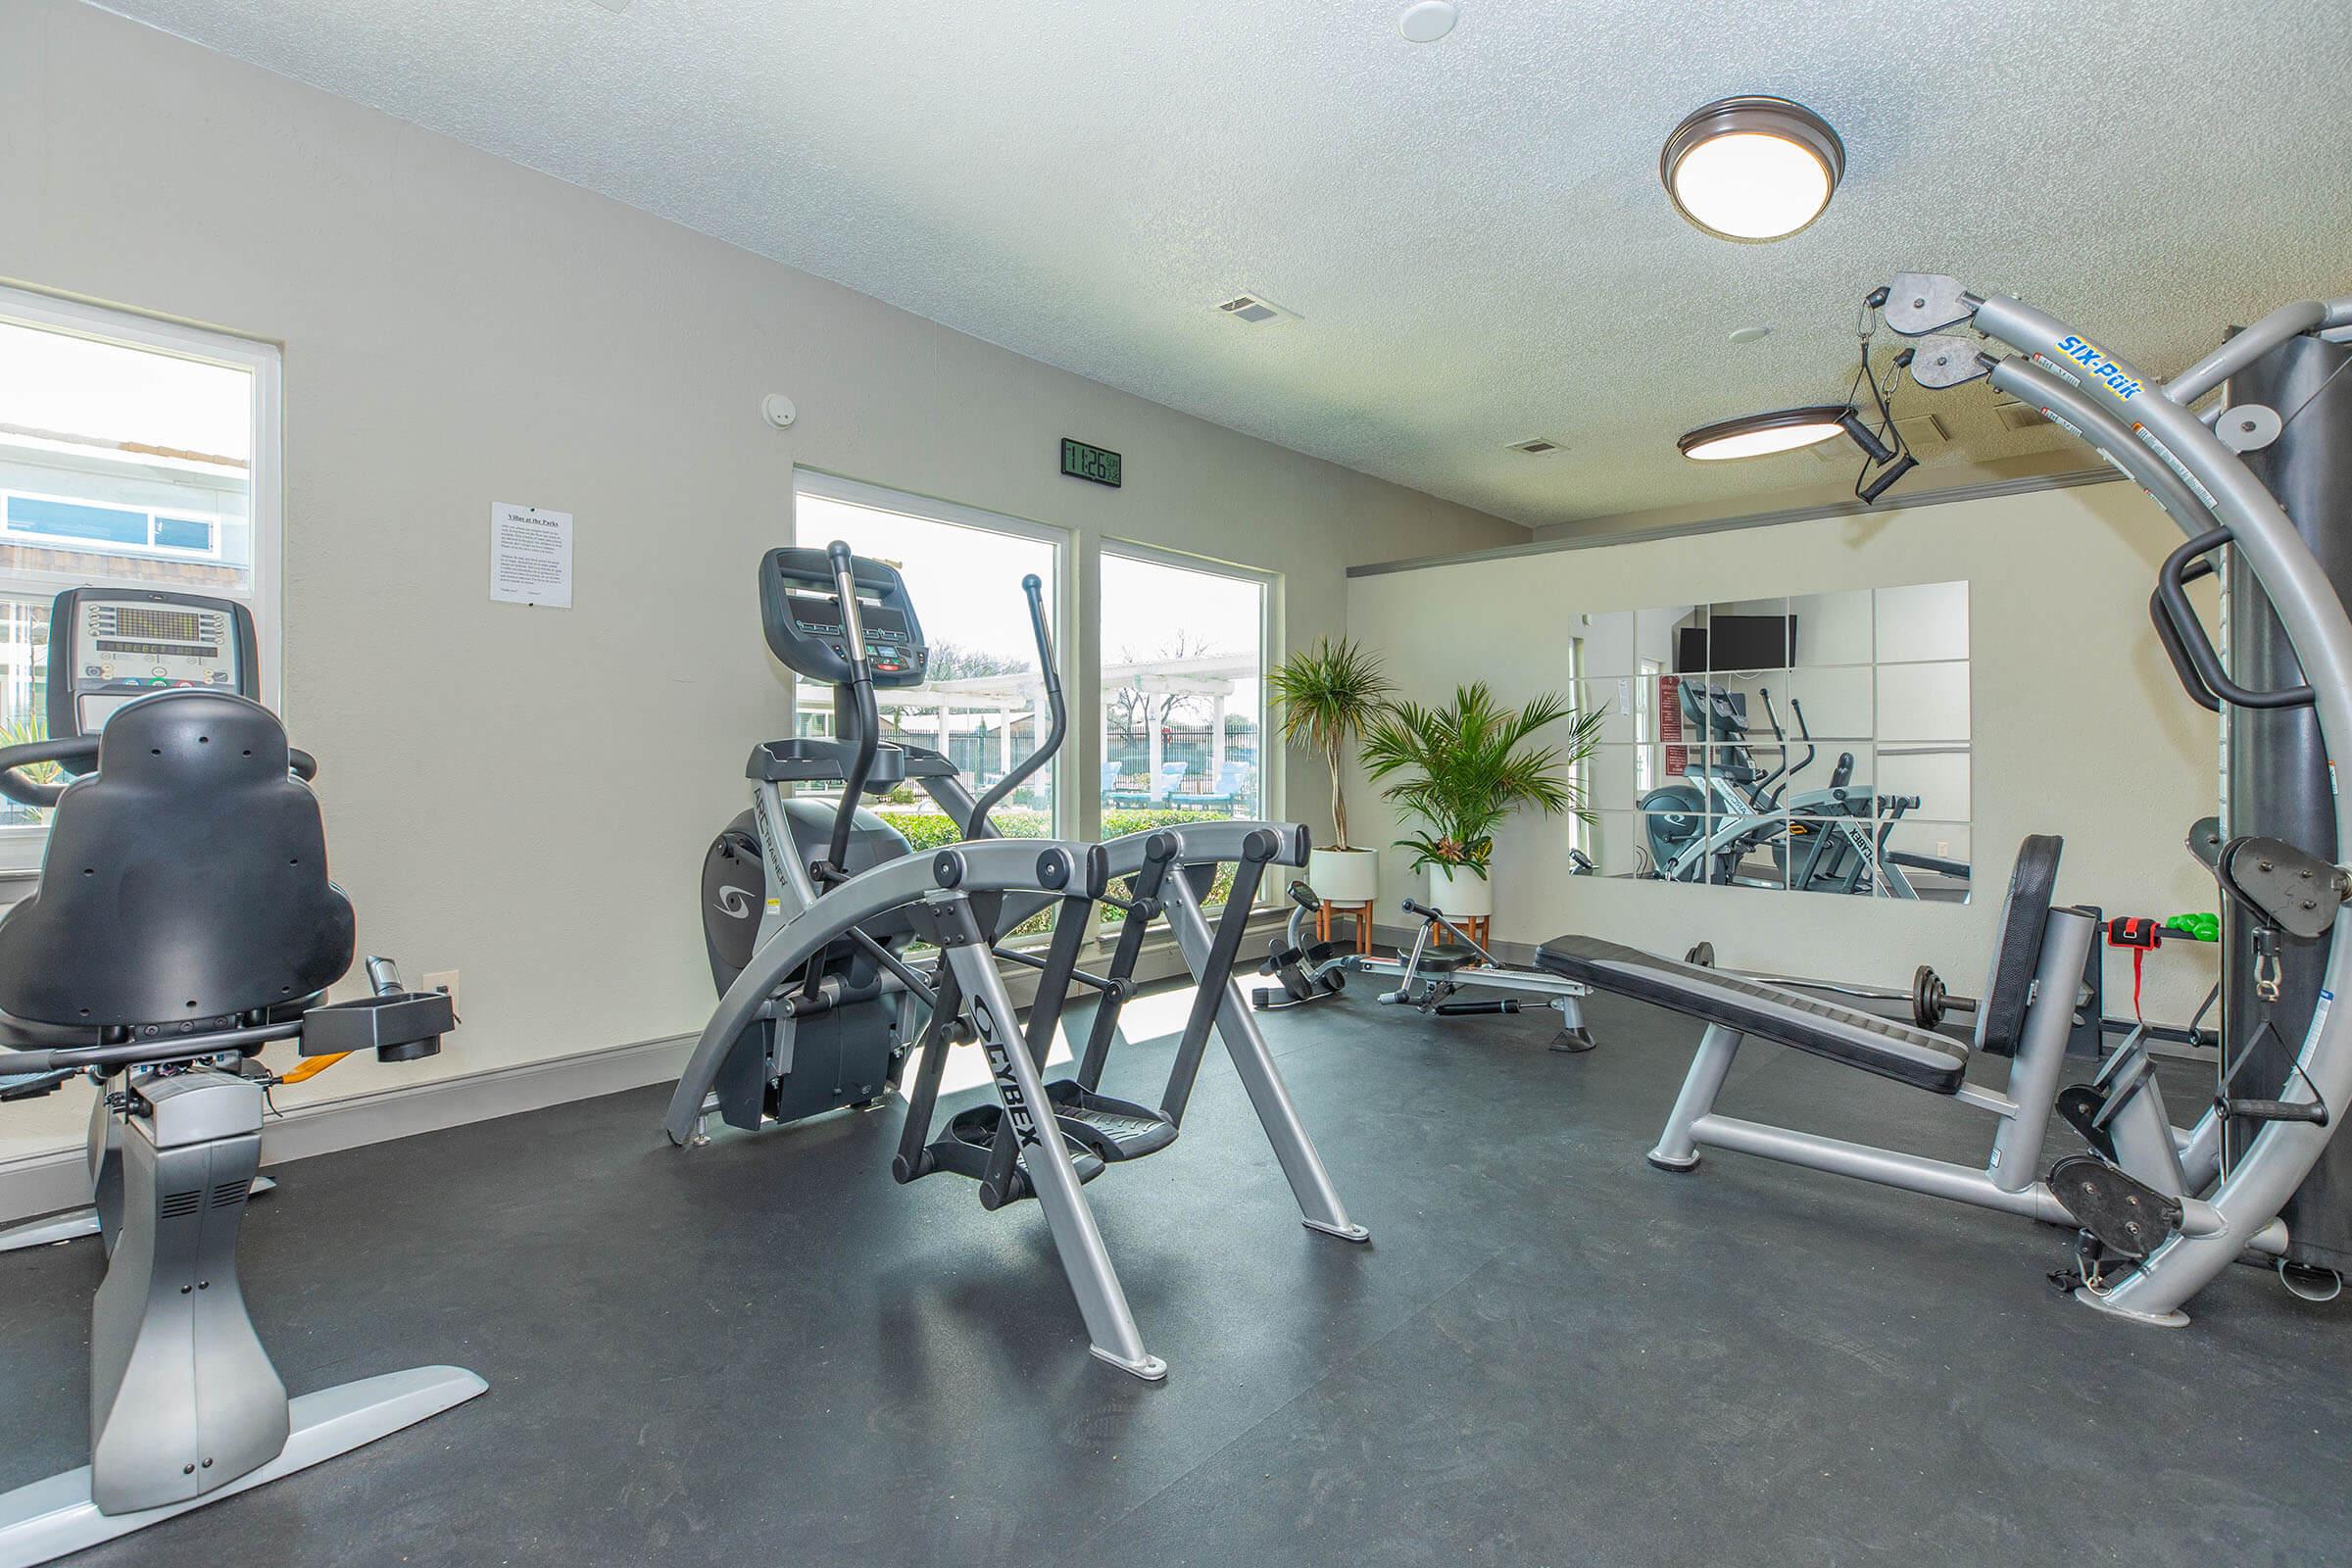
(2168, 636)
(1869, 494)
(1865, 439)
(2310, 1112)
(2171, 597)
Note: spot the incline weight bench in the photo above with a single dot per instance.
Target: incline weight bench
(2134, 1194)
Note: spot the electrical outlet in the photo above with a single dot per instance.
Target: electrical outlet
(446, 980)
(1943, 851)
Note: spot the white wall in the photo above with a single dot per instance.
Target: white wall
(2078, 726)
(520, 795)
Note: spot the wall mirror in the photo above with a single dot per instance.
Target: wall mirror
(1813, 743)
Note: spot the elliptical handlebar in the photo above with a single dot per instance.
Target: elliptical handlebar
(1773, 717)
(869, 714)
(1056, 712)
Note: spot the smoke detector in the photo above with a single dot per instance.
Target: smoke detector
(1535, 446)
(1428, 21)
(1256, 310)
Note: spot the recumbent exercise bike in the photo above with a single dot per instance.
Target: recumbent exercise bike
(183, 924)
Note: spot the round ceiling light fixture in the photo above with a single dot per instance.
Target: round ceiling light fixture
(1752, 169)
(1428, 21)
(1757, 435)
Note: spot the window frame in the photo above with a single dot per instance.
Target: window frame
(265, 363)
(20, 849)
(1272, 752)
(1063, 606)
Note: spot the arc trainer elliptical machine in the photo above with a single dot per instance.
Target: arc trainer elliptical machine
(183, 924)
(842, 955)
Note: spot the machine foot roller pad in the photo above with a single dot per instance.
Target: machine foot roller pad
(2125, 1215)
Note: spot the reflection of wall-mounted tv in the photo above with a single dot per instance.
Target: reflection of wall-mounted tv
(1736, 642)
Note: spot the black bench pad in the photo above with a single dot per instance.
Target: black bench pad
(1858, 1039)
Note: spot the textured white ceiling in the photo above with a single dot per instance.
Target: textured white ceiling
(1472, 231)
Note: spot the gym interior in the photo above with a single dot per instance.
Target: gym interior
(1641, 701)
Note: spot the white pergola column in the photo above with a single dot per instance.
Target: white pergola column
(1157, 752)
(1216, 738)
(1003, 741)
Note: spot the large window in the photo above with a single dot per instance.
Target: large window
(1183, 714)
(133, 453)
(985, 703)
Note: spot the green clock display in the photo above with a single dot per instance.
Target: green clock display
(1097, 464)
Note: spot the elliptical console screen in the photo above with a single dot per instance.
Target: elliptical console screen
(897, 659)
(109, 647)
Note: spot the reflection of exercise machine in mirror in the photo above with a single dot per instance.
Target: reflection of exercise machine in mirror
(1707, 825)
(2161, 1209)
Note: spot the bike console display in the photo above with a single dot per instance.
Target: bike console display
(111, 646)
(800, 609)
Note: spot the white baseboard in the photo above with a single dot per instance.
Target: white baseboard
(41, 1184)
(55, 1179)
(44, 1184)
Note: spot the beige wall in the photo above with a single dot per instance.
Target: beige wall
(521, 795)
(2080, 728)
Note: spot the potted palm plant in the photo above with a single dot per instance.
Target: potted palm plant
(1330, 694)
(1468, 765)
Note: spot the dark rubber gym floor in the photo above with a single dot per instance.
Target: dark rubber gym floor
(763, 1351)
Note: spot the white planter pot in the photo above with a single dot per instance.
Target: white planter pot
(1463, 896)
(1344, 876)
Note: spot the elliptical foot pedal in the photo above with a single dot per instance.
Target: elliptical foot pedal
(969, 1143)
(2125, 1215)
(1109, 1129)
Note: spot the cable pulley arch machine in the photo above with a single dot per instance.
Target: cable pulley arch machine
(2166, 1208)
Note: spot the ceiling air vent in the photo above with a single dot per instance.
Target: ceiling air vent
(1256, 311)
(1535, 446)
(2019, 416)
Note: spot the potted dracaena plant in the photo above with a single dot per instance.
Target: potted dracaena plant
(1468, 765)
(1330, 694)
